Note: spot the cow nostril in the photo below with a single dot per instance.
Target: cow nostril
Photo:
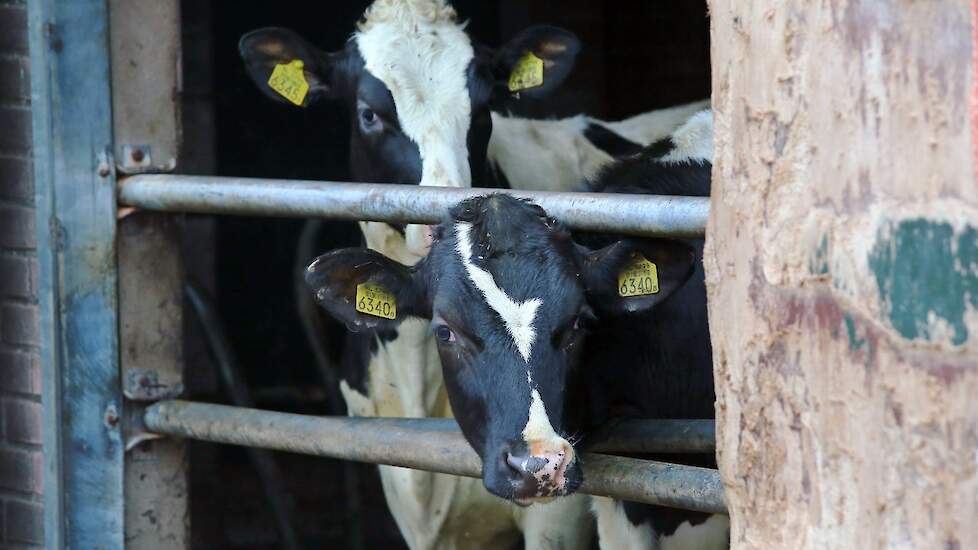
(517, 463)
(526, 464)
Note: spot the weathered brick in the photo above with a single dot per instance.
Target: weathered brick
(17, 470)
(16, 179)
(37, 474)
(13, 29)
(15, 79)
(16, 277)
(17, 372)
(19, 324)
(25, 522)
(17, 229)
(16, 124)
(22, 421)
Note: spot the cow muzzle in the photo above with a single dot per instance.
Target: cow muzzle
(541, 472)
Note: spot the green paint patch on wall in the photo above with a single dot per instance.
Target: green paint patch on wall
(927, 278)
(818, 264)
(855, 343)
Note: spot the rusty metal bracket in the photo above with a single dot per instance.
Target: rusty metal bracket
(142, 388)
(144, 385)
(138, 159)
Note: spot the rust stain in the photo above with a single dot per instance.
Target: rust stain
(816, 309)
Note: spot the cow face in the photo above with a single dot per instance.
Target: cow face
(509, 294)
(418, 90)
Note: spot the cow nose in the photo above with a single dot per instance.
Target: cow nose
(541, 469)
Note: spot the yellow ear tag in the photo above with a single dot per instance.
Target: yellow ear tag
(289, 81)
(527, 73)
(639, 277)
(374, 300)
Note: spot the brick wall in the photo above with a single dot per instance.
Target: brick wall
(21, 484)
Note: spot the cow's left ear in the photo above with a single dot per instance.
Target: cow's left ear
(536, 61)
(366, 289)
(632, 276)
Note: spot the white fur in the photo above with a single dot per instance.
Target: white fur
(652, 126)
(517, 316)
(538, 427)
(422, 54)
(539, 520)
(693, 141)
(554, 155)
(615, 531)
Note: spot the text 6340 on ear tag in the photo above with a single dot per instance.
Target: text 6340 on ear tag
(289, 80)
(375, 300)
(639, 277)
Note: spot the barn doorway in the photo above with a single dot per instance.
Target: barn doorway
(637, 56)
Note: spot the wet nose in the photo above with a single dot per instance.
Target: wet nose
(541, 470)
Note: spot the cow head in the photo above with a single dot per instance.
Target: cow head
(509, 294)
(417, 87)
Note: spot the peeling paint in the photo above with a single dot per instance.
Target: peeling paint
(927, 276)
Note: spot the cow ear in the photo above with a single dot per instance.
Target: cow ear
(632, 276)
(286, 67)
(365, 289)
(536, 61)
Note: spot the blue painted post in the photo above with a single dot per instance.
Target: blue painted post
(76, 213)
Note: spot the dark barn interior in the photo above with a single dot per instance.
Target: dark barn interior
(637, 56)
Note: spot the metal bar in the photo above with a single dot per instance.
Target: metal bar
(656, 436)
(264, 462)
(76, 213)
(424, 445)
(640, 215)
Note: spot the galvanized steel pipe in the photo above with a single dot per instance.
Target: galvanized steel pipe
(640, 215)
(423, 445)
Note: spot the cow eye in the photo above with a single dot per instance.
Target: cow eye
(369, 120)
(444, 334)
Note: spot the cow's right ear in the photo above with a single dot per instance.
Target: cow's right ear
(286, 67)
(366, 289)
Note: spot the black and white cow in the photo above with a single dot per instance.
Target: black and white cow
(536, 343)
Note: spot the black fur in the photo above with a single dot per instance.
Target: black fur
(610, 142)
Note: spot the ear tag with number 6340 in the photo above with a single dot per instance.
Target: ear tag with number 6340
(638, 277)
(375, 300)
(289, 81)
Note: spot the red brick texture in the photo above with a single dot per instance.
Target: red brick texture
(21, 458)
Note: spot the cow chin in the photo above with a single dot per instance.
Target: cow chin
(419, 239)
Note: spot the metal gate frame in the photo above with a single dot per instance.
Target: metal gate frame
(103, 379)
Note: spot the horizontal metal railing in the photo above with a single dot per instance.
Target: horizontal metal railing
(424, 444)
(639, 215)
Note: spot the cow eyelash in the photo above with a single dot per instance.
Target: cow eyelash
(566, 336)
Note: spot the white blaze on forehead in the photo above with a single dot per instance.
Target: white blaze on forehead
(518, 316)
(419, 51)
